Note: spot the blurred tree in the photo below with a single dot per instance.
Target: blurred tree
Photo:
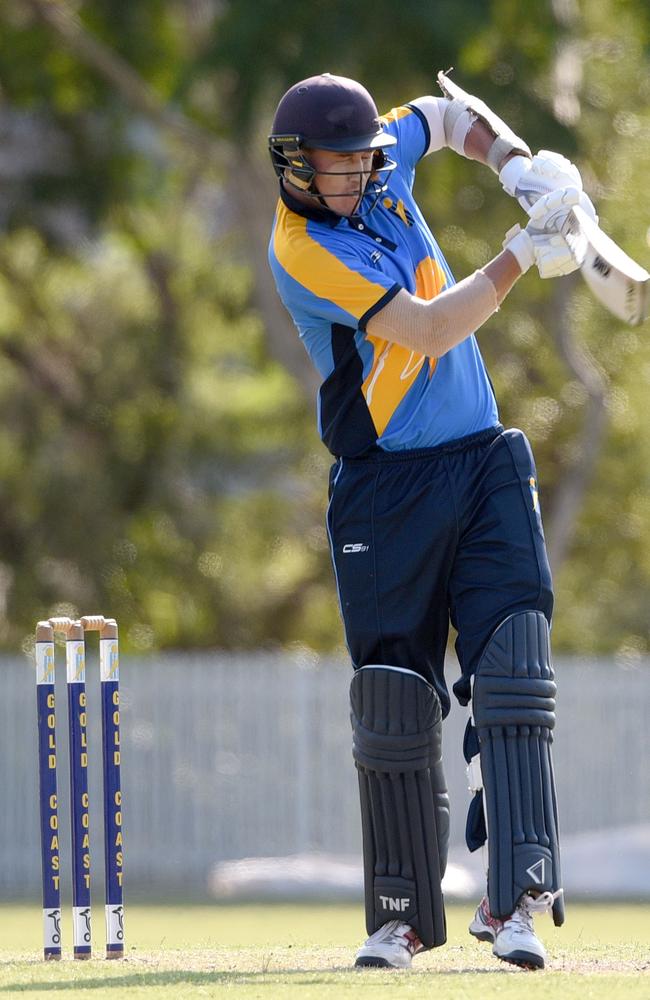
(149, 440)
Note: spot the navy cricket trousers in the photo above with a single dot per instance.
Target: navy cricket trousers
(423, 537)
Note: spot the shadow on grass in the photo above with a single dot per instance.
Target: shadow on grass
(261, 978)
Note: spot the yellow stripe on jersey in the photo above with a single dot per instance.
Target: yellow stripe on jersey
(395, 368)
(318, 270)
(395, 114)
(430, 279)
(394, 371)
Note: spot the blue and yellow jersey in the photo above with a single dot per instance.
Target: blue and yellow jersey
(333, 274)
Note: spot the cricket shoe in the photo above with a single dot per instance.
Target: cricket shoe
(391, 947)
(484, 926)
(514, 939)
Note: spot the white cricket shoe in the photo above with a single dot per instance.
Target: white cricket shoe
(391, 947)
(514, 939)
(484, 926)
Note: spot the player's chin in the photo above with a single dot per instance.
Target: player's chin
(345, 205)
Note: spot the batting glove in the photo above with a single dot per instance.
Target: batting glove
(541, 242)
(527, 180)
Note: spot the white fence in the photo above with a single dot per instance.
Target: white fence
(249, 755)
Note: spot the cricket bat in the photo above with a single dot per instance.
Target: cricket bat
(616, 280)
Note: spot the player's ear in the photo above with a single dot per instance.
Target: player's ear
(378, 161)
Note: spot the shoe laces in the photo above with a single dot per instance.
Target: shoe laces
(391, 929)
(522, 917)
(399, 932)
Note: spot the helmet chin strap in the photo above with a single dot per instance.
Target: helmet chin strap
(305, 187)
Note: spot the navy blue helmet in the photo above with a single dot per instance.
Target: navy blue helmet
(327, 112)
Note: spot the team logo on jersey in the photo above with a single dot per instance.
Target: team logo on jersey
(398, 208)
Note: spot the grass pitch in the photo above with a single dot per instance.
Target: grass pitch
(602, 953)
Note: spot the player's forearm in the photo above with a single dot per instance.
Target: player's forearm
(432, 327)
(494, 143)
(468, 133)
(503, 271)
(478, 143)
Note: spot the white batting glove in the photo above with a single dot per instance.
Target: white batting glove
(541, 242)
(527, 180)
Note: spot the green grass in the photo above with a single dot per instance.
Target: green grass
(602, 953)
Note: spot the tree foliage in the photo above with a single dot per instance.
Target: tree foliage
(158, 459)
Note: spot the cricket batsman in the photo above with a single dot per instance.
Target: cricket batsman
(434, 512)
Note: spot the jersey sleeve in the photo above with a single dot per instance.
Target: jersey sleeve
(418, 128)
(324, 280)
(432, 111)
